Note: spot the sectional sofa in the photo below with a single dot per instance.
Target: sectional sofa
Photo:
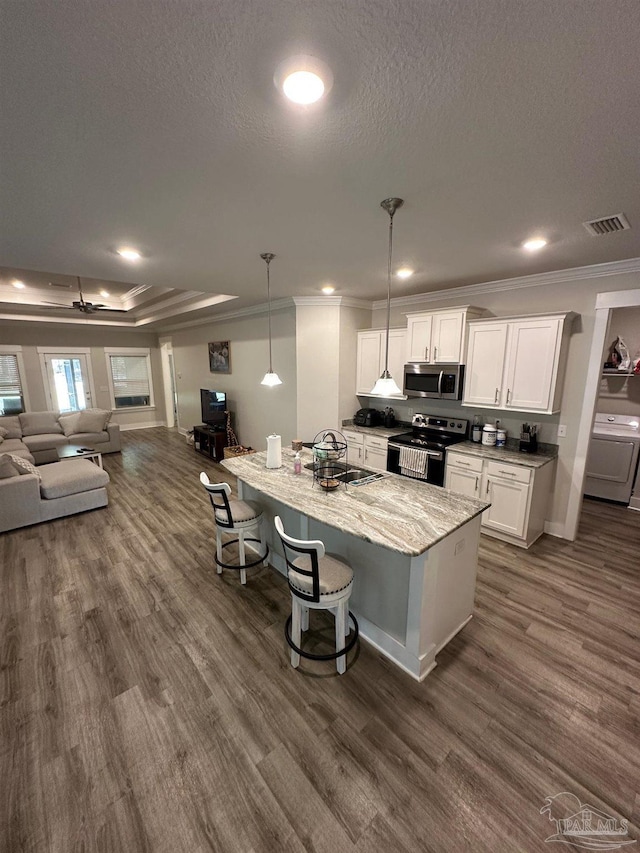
(35, 436)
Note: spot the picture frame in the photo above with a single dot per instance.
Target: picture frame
(220, 357)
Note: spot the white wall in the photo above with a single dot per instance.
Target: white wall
(620, 395)
(30, 336)
(258, 411)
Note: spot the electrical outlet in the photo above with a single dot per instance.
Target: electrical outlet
(562, 431)
(459, 547)
(410, 412)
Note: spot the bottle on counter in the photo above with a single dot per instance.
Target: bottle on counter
(297, 463)
(476, 430)
(501, 437)
(489, 434)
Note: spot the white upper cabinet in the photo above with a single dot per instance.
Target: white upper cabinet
(370, 357)
(517, 363)
(439, 337)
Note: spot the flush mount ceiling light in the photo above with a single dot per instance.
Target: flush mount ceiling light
(328, 288)
(386, 386)
(404, 272)
(20, 285)
(303, 79)
(129, 254)
(270, 378)
(535, 244)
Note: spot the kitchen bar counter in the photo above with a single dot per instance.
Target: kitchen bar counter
(413, 548)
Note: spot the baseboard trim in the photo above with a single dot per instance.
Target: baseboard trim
(149, 425)
(554, 529)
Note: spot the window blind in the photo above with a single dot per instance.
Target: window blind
(10, 385)
(130, 377)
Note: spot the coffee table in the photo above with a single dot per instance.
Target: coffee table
(78, 451)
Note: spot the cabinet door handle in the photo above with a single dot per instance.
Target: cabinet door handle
(495, 399)
(508, 473)
(476, 484)
(435, 353)
(426, 353)
(466, 464)
(508, 395)
(488, 484)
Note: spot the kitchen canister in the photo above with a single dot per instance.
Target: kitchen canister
(489, 434)
(501, 438)
(274, 451)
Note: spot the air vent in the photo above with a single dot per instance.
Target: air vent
(59, 286)
(607, 225)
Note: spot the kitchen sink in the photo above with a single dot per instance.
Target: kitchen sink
(355, 474)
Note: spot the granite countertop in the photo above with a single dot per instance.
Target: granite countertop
(383, 432)
(546, 453)
(396, 512)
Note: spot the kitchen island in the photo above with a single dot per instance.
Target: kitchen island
(413, 548)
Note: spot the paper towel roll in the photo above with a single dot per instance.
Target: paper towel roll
(274, 451)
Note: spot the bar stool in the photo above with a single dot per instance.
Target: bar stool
(317, 581)
(241, 517)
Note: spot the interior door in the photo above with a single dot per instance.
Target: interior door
(69, 381)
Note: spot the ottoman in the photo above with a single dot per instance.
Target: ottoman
(71, 486)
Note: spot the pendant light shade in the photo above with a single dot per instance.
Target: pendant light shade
(270, 378)
(386, 386)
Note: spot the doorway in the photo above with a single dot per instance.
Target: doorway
(169, 383)
(68, 380)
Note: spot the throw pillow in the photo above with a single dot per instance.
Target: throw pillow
(70, 423)
(93, 420)
(7, 468)
(10, 424)
(24, 466)
(39, 423)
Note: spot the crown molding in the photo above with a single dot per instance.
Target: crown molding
(66, 321)
(262, 308)
(346, 301)
(630, 265)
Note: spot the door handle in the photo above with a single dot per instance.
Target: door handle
(440, 383)
(476, 484)
(495, 399)
(488, 484)
(508, 395)
(435, 353)
(426, 353)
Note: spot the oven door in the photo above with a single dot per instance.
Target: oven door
(434, 469)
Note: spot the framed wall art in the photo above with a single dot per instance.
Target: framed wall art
(220, 357)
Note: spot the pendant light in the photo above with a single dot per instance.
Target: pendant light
(386, 386)
(270, 378)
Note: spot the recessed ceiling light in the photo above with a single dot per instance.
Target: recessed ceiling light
(104, 293)
(303, 79)
(534, 244)
(405, 272)
(19, 284)
(129, 254)
(328, 288)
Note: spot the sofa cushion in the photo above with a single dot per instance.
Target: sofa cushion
(12, 425)
(45, 441)
(3, 433)
(23, 465)
(35, 423)
(69, 423)
(15, 446)
(70, 477)
(90, 439)
(93, 420)
(7, 468)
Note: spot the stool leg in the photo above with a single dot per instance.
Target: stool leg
(219, 550)
(305, 619)
(295, 629)
(341, 663)
(243, 559)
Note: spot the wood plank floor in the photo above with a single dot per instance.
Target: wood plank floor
(147, 704)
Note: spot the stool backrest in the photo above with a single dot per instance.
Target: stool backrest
(219, 497)
(311, 548)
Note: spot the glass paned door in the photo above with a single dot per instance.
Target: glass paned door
(69, 382)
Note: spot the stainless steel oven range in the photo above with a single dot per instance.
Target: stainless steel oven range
(421, 453)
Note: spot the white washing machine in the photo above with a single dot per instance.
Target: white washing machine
(613, 457)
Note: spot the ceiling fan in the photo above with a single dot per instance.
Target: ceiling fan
(85, 307)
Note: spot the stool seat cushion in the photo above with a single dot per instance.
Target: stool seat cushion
(241, 512)
(334, 575)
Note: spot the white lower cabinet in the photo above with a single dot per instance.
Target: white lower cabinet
(375, 453)
(519, 495)
(355, 447)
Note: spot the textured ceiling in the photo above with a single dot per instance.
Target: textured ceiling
(156, 124)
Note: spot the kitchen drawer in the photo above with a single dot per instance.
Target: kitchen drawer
(469, 463)
(374, 441)
(515, 473)
(353, 437)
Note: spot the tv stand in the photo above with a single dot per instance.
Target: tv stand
(210, 441)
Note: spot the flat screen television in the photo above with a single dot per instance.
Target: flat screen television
(214, 404)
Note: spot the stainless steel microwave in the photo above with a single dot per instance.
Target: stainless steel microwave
(443, 381)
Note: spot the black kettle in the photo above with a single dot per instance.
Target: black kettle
(389, 417)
